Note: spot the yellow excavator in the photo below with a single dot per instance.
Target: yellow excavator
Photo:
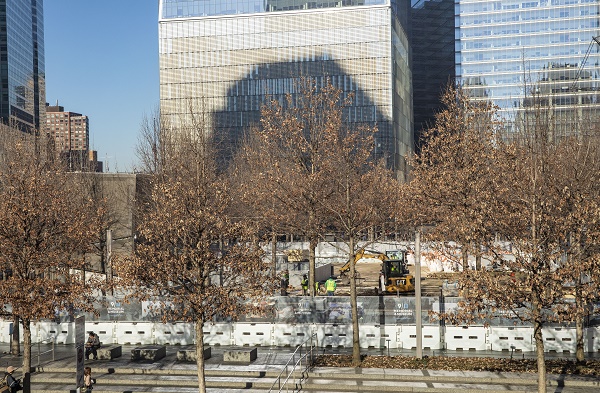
(394, 276)
(362, 253)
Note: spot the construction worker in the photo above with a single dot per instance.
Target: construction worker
(330, 286)
(304, 284)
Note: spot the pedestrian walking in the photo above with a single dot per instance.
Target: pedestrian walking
(88, 382)
(330, 286)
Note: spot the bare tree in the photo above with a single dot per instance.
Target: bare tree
(518, 188)
(47, 223)
(178, 263)
(284, 159)
(363, 193)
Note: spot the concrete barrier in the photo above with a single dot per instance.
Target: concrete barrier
(559, 339)
(65, 333)
(218, 333)
(104, 330)
(174, 333)
(407, 337)
(133, 333)
(252, 334)
(290, 335)
(509, 338)
(466, 338)
(334, 336)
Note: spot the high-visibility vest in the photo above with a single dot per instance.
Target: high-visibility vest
(304, 283)
(330, 285)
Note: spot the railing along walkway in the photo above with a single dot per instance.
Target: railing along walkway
(296, 369)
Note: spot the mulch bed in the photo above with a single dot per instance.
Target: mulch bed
(553, 366)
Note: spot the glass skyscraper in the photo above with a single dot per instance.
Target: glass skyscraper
(22, 89)
(228, 55)
(510, 51)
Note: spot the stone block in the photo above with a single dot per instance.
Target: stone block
(240, 355)
(189, 355)
(110, 352)
(149, 352)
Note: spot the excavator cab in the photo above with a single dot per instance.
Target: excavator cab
(395, 277)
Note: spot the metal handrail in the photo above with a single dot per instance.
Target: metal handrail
(308, 356)
(40, 353)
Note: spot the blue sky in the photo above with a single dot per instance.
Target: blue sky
(102, 61)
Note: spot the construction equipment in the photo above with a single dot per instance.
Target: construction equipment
(360, 254)
(395, 277)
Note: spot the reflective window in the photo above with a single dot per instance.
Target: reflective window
(548, 43)
(193, 8)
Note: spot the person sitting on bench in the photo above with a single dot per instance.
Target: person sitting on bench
(92, 345)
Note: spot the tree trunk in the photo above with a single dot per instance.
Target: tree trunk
(579, 304)
(465, 259)
(200, 356)
(273, 256)
(580, 354)
(26, 345)
(15, 343)
(354, 307)
(313, 242)
(541, 357)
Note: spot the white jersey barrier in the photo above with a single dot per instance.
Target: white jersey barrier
(592, 339)
(509, 338)
(253, 334)
(559, 340)
(290, 335)
(456, 338)
(218, 334)
(466, 338)
(407, 337)
(174, 333)
(134, 333)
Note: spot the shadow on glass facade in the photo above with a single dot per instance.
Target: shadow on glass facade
(246, 96)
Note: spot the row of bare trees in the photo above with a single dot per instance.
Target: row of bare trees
(524, 202)
(202, 228)
(49, 220)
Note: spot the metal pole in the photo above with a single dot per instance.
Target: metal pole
(109, 272)
(418, 294)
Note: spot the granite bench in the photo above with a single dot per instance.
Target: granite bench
(245, 355)
(149, 352)
(109, 352)
(189, 355)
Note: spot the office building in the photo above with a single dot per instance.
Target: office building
(512, 51)
(223, 58)
(432, 39)
(22, 87)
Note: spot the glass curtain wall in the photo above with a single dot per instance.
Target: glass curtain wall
(510, 51)
(229, 64)
(22, 63)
